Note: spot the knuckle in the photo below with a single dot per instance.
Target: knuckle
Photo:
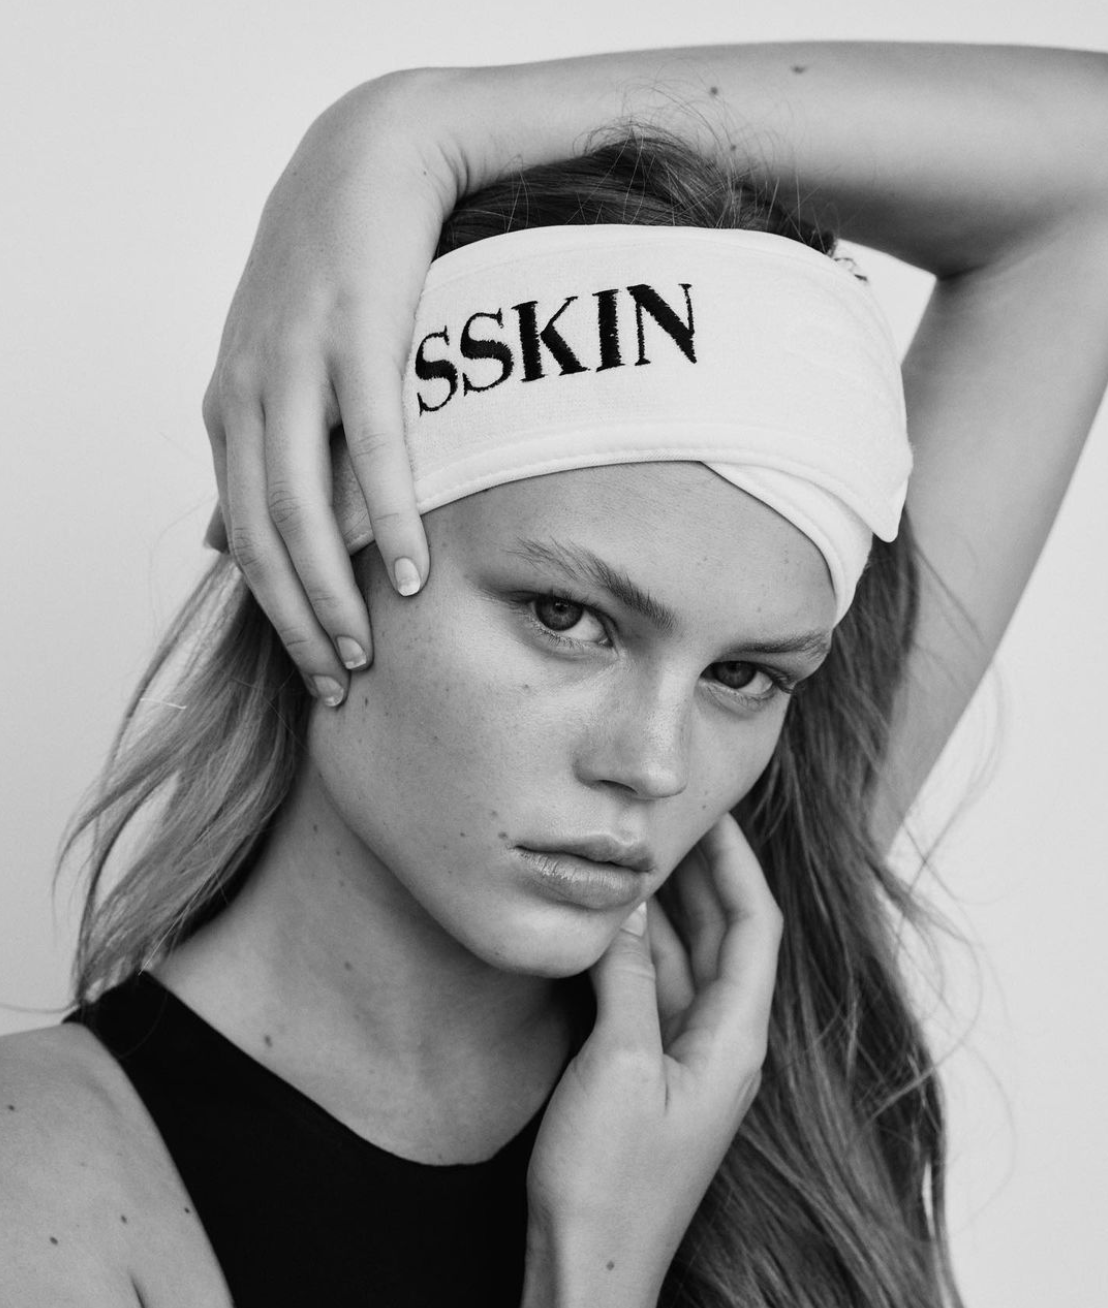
(298, 339)
(247, 551)
(325, 603)
(212, 414)
(632, 1066)
(371, 444)
(286, 508)
(387, 519)
(639, 967)
(235, 382)
(300, 644)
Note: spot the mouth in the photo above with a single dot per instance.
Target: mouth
(597, 874)
(603, 850)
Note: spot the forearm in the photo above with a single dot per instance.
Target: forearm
(945, 156)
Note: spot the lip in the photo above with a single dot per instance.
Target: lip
(606, 850)
(571, 878)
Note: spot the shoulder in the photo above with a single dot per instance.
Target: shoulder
(60, 1169)
(91, 1208)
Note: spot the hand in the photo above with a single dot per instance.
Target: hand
(320, 326)
(643, 1115)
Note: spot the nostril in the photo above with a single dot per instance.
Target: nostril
(641, 743)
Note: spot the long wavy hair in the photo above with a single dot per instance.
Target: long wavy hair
(831, 1195)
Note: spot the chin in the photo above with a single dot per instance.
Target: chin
(562, 943)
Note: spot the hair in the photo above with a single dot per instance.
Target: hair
(831, 1194)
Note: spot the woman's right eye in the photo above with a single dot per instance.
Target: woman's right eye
(562, 617)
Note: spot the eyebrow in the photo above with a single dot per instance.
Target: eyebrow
(576, 562)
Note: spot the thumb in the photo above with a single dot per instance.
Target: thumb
(626, 991)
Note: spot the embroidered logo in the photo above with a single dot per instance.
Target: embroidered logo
(575, 338)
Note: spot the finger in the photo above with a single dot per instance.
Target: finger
(368, 392)
(730, 1017)
(748, 955)
(215, 537)
(675, 986)
(259, 552)
(626, 995)
(298, 495)
(702, 918)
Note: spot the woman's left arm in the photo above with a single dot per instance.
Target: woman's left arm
(987, 167)
(993, 177)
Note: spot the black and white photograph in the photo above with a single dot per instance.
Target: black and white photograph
(555, 605)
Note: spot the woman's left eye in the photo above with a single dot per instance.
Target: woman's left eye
(747, 678)
(567, 619)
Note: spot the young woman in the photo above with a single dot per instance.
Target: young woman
(333, 1041)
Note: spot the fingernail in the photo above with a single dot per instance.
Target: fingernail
(407, 576)
(329, 691)
(351, 653)
(635, 921)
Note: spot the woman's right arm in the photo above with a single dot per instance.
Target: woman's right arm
(644, 1114)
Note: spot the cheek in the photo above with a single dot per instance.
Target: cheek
(727, 770)
(438, 728)
(760, 749)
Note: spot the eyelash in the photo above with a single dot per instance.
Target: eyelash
(780, 684)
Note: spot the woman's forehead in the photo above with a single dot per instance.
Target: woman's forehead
(675, 528)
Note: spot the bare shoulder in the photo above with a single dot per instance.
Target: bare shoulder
(92, 1211)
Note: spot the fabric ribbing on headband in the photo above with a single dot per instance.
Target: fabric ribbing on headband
(567, 347)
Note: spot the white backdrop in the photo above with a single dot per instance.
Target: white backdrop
(137, 144)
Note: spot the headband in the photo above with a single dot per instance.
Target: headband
(555, 348)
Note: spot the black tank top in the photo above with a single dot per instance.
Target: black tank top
(298, 1208)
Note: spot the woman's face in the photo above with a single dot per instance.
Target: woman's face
(595, 672)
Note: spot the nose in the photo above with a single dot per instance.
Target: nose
(639, 741)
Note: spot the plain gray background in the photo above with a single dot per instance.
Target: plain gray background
(137, 144)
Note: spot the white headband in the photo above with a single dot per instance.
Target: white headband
(567, 347)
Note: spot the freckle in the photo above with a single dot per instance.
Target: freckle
(11, 1108)
(800, 68)
(315, 828)
(712, 90)
(461, 835)
(189, 1211)
(493, 813)
(611, 1266)
(268, 1041)
(53, 1239)
(123, 1218)
(347, 965)
(502, 835)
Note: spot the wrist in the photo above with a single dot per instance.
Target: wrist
(404, 121)
(562, 1272)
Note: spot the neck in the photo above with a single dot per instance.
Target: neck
(328, 971)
